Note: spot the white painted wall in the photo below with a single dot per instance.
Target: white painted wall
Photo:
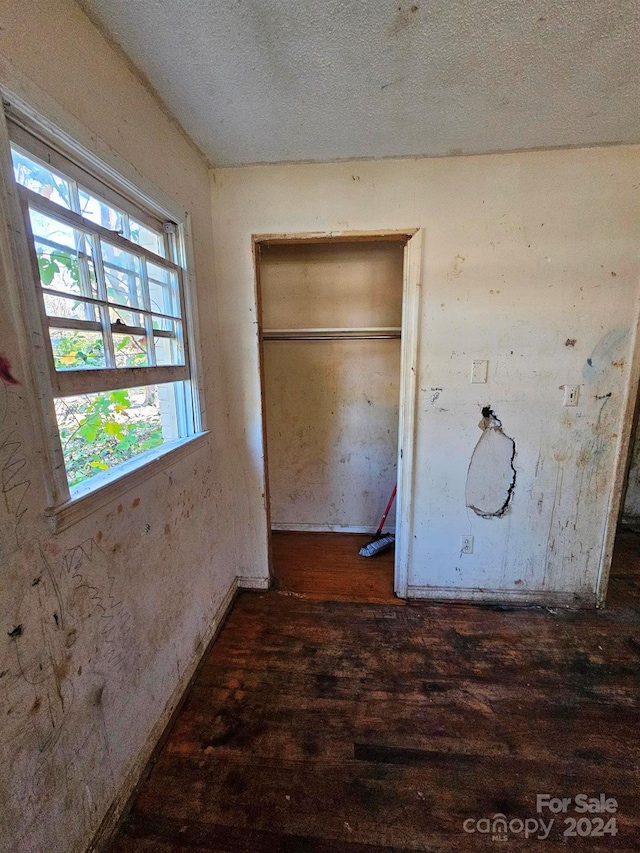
(115, 610)
(523, 253)
(331, 406)
(331, 285)
(332, 430)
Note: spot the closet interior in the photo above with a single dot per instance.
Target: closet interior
(331, 316)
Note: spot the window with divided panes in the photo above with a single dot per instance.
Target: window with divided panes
(109, 283)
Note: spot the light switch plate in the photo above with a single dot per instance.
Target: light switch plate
(479, 372)
(571, 395)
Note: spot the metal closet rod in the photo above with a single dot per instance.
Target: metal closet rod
(343, 334)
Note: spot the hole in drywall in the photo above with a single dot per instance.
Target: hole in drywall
(491, 477)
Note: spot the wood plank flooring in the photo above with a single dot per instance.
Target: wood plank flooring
(328, 567)
(624, 580)
(332, 727)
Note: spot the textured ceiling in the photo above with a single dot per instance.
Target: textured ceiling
(287, 80)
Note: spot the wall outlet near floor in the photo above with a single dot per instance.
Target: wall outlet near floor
(466, 544)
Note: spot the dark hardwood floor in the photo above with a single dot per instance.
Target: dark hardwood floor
(328, 567)
(624, 580)
(339, 727)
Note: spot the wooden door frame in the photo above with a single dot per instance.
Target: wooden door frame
(412, 278)
(412, 268)
(621, 460)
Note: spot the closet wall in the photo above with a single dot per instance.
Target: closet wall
(331, 405)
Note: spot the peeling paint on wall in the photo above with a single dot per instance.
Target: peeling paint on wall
(491, 478)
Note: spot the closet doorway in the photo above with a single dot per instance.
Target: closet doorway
(337, 341)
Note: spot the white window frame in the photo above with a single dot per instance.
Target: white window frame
(120, 185)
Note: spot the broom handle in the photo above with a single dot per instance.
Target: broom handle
(386, 512)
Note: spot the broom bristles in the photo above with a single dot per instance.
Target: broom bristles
(377, 545)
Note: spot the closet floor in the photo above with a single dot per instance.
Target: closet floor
(328, 567)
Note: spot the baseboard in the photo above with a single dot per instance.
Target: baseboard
(326, 528)
(544, 598)
(138, 772)
(253, 583)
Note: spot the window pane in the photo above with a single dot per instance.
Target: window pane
(122, 317)
(169, 350)
(64, 256)
(122, 274)
(41, 179)
(74, 349)
(130, 350)
(163, 290)
(69, 308)
(100, 431)
(153, 241)
(100, 212)
(99, 315)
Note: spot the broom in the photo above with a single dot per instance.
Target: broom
(379, 542)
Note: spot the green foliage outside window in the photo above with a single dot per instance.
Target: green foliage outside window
(99, 431)
(77, 349)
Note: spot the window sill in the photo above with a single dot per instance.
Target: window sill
(100, 490)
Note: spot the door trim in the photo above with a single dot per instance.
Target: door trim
(412, 267)
(407, 420)
(623, 449)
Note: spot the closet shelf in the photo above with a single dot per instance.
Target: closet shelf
(344, 334)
